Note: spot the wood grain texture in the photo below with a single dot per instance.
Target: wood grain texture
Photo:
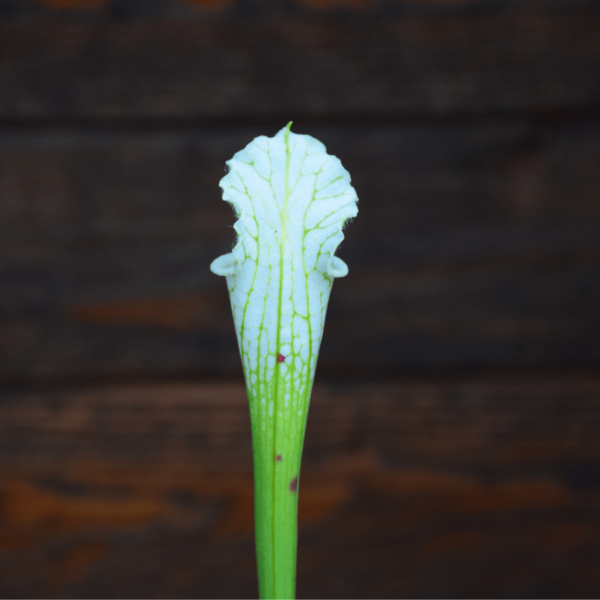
(258, 68)
(475, 246)
(471, 130)
(519, 427)
(471, 488)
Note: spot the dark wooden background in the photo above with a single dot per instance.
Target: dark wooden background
(453, 447)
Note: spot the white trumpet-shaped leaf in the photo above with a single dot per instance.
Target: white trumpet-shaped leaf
(292, 200)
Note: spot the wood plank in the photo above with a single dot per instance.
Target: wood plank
(189, 9)
(291, 67)
(465, 488)
(518, 427)
(472, 249)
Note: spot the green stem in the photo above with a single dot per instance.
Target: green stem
(277, 446)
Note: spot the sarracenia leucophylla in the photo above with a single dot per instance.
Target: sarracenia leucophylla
(292, 200)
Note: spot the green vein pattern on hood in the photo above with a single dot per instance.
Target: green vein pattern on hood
(292, 200)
